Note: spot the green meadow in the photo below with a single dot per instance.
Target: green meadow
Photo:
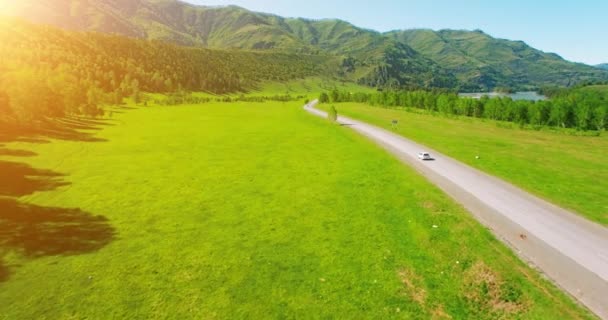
(567, 169)
(310, 87)
(246, 211)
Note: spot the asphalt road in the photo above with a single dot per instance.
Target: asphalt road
(568, 249)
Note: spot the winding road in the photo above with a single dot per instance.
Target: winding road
(570, 250)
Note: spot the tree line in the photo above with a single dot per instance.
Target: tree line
(180, 98)
(567, 108)
(48, 72)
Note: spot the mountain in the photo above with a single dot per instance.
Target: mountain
(468, 60)
(369, 57)
(186, 24)
(480, 60)
(602, 66)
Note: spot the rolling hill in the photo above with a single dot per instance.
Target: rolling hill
(467, 60)
(369, 57)
(77, 73)
(603, 66)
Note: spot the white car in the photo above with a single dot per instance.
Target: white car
(424, 156)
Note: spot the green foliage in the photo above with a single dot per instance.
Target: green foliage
(324, 98)
(180, 98)
(332, 114)
(76, 73)
(580, 109)
(334, 96)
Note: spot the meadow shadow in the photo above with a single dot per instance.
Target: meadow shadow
(16, 152)
(71, 129)
(19, 179)
(66, 128)
(4, 272)
(127, 108)
(36, 231)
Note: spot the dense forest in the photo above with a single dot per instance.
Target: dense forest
(568, 108)
(48, 72)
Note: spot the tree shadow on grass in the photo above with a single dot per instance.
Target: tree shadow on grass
(16, 152)
(66, 128)
(37, 231)
(18, 179)
(4, 272)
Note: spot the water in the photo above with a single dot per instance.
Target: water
(523, 95)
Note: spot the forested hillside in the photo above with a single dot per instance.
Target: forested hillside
(481, 61)
(463, 60)
(51, 72)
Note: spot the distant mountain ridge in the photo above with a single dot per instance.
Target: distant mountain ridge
(603, 66)
(470, 60)
(478, 58)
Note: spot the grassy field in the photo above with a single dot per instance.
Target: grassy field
(310, 87)
(242, 211)
(571, 171)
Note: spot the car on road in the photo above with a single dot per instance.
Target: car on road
(424, 156)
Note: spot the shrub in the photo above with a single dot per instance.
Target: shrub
(332, 115)
(324, 98)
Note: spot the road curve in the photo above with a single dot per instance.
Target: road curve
(570, 250)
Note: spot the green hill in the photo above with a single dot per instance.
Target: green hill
(603, 66)
(467, 60)
(481, 61)
(369, 57)
(75, 73)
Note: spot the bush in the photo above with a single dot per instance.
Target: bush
(332, 115)
(324, 98)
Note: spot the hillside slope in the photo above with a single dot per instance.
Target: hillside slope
(468, 60)
(480, 60)
(50, 72)
(369, 57)
(602, 66)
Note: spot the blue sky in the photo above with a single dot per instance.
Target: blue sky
(574, 29)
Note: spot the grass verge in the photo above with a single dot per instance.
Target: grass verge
(570, 171)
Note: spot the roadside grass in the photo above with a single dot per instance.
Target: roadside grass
(570, 171)
(245, 210)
